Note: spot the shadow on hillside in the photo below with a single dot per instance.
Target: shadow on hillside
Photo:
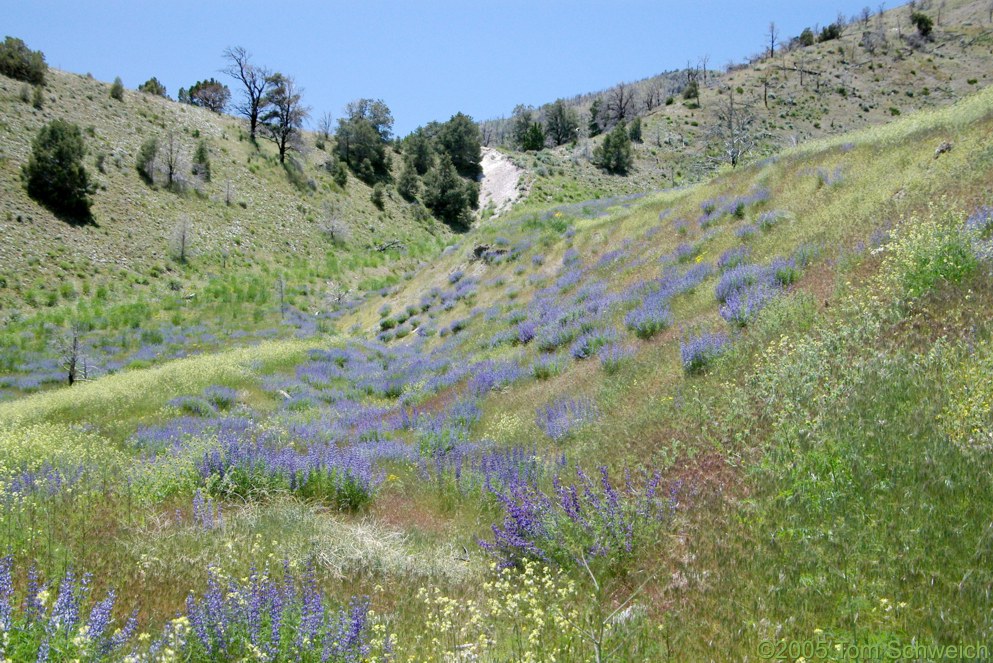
(77, 219)
(78, 216)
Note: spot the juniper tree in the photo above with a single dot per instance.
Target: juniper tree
(54, 174)
(154, 87)
(561, 123)
(614, 154)
(461, 140)
(21, 63)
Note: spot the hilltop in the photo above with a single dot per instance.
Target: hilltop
(877, 68)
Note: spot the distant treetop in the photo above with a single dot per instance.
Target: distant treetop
(153, 86)
(20, 62)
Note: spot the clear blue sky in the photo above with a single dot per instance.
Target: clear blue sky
(426, 59)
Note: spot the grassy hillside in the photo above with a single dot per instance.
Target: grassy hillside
(656, 427)
(801, 94)
(260, 257)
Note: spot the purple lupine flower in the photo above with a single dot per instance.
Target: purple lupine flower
(747, 231)
(733, 257)
(563, 416)
(650, 318)
(6, 595)
(526, 332)
(741, 306)
(599, 517)
(589, 344)
(698, 351)
(613, 356)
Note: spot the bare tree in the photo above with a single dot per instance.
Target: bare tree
(284, 115)
(172, 160)
(842, 23)
(621, 103)
(182, 239)
(332, 224)
(704, 61)
(256, 82)
(865, 16)
(733, 132)
(336, 294)
(773, 38)
(653, 95)
(325, 126)
(71, 356)
(487, 131)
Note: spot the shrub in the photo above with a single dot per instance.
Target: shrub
(19, 62)
(830, 32)
(923, 23)
(201, 161)
(377, 197)
(54, 174)
(614, 154)
(924, 253)
(117, 89)
(634, 130)
(145, 163)
(339, 172)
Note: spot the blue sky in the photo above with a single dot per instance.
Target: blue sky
(426, 59)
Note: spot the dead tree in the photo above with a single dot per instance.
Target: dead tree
(331, 223)
(172, 160)
(773, 38)
(325, 126)
(256, 82)
(71, 357)
(336, 294)
(733, 132)
(621, 103)
(182, 238)
(653, 95)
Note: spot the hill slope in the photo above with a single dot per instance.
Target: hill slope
(252, 213)
(780, 371)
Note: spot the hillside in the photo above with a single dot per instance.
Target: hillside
(671, 426)
(253, 213)
(873, 72)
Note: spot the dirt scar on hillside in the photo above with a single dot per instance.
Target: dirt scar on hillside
(498, 185)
